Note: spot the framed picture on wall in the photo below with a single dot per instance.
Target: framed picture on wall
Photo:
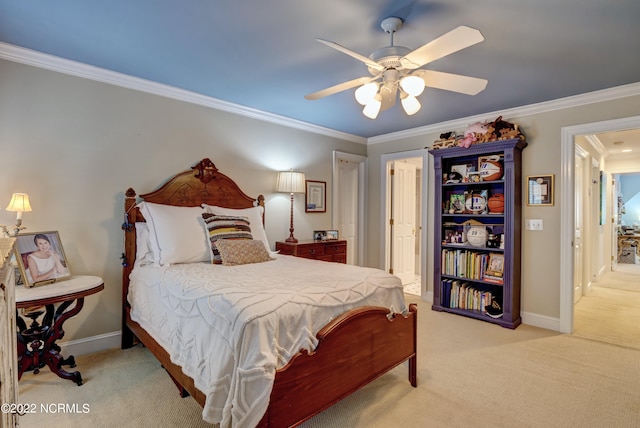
(41, 258)
(540, 190)
(315, 196)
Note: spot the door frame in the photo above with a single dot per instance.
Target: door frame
(567, 159)
(384, 209)
(581, 155)
(362, 198)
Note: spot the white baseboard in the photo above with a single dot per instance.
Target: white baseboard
(92, 344)
(428, 297)
(542, 321)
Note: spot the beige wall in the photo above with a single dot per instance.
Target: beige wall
(540, 250)
(76, 145)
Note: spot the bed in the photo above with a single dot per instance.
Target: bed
(359, 342)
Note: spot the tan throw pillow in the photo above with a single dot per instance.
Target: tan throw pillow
(240, 252)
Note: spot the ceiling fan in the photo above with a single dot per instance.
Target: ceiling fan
(396, 69)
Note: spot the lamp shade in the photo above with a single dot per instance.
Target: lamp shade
(290, 182)
(19, 202)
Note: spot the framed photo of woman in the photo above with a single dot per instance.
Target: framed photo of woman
(41, 258)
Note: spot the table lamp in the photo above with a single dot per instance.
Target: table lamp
(19, 203)
(291, 182)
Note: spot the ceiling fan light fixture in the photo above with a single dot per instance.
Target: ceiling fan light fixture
(410, 104)
(366, 93)
(412, 85)
(372, 108)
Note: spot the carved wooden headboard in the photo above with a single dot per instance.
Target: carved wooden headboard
(201, 184)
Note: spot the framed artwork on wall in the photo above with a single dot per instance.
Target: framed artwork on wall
(540, 190)
(315, 196)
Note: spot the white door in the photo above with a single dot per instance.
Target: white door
(347, 209)
(578, 252)
(403, 215)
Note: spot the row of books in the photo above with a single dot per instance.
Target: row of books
(462, 295)
(472, 265)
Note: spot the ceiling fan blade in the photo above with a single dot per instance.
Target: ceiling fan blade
(452, 82)
(388, 94)
(353, 54)
(340, 87)
(453, 41)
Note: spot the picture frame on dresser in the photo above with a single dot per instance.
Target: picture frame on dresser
(332, 235)
(41, 258)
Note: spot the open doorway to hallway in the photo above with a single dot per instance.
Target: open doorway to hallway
(348, 203)
(404, 216)
(606, 268)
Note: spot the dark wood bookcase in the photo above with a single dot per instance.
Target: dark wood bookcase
(476, 249)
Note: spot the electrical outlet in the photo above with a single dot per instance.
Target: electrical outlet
(534, 224)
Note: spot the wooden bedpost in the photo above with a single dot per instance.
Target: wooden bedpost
(128, 258)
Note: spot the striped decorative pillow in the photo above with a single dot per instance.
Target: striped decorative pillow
(225, 227)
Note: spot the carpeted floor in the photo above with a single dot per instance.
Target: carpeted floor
(609, 315)
(626, 277)
(470, 373)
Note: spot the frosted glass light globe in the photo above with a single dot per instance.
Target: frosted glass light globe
(372, 109)
(410, 104)
(412, 85)
(366, 93)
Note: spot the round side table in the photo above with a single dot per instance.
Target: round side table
(37, 342)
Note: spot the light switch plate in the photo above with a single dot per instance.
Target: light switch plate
(534, 224)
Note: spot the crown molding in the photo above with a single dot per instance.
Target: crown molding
(544, 107)
(596, 144)
(50, 62)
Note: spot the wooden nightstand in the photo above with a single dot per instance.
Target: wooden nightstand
(328, 251)
(37, 342)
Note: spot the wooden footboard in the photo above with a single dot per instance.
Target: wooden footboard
(353, 350)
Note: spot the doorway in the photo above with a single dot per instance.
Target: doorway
(568, 209)
(349, 191)
(404, 178)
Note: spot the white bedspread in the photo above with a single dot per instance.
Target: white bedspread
(231, 327)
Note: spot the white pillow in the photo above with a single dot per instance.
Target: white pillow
(144, 254)
(176, 234)
(254, 214)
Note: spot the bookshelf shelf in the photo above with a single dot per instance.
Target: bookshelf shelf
(477, 231)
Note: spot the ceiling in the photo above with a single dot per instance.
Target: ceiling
(262, 54)
(621, 145)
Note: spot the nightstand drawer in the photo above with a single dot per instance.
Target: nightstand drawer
(310, 251)
(335, 248)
